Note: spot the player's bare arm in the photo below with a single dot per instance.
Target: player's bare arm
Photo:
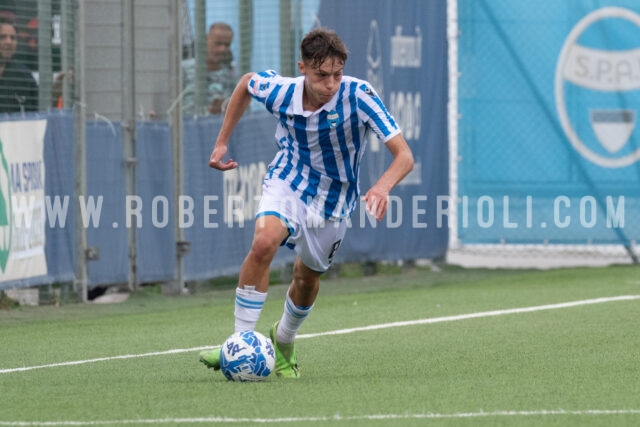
(240, 100)
(377, 198)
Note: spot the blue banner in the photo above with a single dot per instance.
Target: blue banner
(400, 47)
(224, 203)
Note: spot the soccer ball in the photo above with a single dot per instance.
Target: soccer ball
(247, 356)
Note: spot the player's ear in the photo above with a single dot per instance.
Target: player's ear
(301, 67)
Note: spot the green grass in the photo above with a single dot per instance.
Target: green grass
(573, 359)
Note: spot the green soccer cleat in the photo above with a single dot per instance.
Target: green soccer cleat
(211, 358)
(286, 365)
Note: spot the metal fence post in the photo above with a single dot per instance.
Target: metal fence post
(287, 50)
(200, 19)
(66, 50)
(129, 127)
(246, 35)
(45, 62)
(175, 117)
(80, 119)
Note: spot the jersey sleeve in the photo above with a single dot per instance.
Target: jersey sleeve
(262, 85)
(373, 112)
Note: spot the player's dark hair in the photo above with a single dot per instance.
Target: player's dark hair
(320, 44)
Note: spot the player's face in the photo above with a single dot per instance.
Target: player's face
(321, 83)
(8, 42)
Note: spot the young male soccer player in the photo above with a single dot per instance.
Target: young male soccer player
(311, 187)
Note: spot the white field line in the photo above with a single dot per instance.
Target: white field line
(373, 417)
(349, 330)
(473, 315)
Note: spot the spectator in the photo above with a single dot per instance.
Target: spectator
(18, 88)
(221, 76)
(8, 10)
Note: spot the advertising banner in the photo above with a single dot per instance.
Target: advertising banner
(22, 200)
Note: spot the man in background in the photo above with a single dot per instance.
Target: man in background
(18, 88)
(221, 76)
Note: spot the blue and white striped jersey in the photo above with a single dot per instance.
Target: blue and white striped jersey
(319, 152)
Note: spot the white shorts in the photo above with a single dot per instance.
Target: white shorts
(314, 239)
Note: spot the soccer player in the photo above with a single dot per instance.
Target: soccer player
(311, 187)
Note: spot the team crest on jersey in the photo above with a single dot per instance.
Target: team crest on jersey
(333, 117)
(366, 89)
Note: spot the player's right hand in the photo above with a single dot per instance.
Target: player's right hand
(215, 161)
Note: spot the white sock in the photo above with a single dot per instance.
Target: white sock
(248, 307)
(292, 318)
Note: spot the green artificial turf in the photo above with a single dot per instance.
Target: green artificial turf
(504, 369)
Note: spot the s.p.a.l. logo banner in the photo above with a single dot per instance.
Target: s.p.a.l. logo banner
(597, 87)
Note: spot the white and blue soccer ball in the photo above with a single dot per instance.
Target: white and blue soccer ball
(247, 356)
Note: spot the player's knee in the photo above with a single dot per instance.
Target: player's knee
(264, 248)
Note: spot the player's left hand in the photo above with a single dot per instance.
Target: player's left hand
(377, 202)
